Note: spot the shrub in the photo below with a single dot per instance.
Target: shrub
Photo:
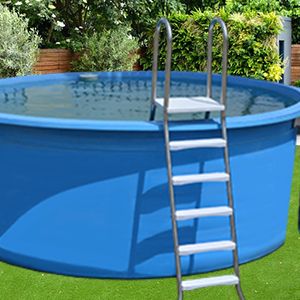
(140, 14)
(59, 21)
(288, 8)
(111, 50)
(42, 16)
(18, 44)
(297, 83)
(252, 44)
(192, 5)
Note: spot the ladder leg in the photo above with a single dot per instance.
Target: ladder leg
(239, 291)
(172, 206)
(230, 200)
(165, 22)
(207, 114)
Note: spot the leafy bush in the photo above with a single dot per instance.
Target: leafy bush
(42, 16)
(192, 5)
(18, 45)
(294, 13)
(60, 21)
(141, 14)
(297, 83)
(252, 44)
(288, 8)
(111, 50)
(264, 6)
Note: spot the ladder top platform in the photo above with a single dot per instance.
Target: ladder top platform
(191, 104)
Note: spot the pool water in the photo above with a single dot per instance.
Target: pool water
(124, 99)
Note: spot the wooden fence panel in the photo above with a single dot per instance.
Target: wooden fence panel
(53, 61)
(295, 62)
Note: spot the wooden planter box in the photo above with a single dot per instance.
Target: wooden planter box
(295, 63)
(53, 61)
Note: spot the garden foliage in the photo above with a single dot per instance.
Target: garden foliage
(297, 83)
(18, 44)
(78, 24)
(252, 43)
(111, 50)
(287, 8)
(59, 22)
(42, 15)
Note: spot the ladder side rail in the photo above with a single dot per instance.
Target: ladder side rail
(224, 61)
(169, 161)
(231, 205)
(173, 207)
(223, 100)
(165, 22)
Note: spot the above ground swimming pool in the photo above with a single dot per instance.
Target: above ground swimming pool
(84, 183)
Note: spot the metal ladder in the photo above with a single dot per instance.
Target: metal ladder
(206, 104)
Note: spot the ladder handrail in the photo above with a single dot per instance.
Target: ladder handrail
(224, 59)
(165, 22)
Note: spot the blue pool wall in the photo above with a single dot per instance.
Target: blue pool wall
(86, 201)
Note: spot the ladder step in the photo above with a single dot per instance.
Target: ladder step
(188, 214)
(190, 144)
(191, 104)
(205, 247)
(195, 178)
(193, 284)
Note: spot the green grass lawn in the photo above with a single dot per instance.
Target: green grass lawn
(274, 277)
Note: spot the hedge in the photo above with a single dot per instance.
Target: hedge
(252, 44)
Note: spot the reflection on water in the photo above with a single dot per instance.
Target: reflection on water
(124, 99)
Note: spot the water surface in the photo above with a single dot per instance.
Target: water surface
(123, 99)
